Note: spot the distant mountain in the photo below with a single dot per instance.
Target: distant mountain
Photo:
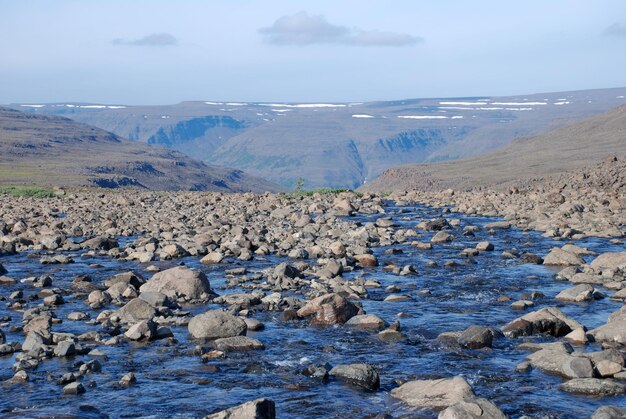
(558, 151)
(339, 144)
(52, 150)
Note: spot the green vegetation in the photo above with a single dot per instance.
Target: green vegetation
(321, 191)
(33, 191)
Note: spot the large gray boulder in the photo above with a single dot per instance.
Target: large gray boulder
(548, 320)
(216, 324)
(560, 257)
(362, 375)
(179, 282)
(329, 309)
(472, 409)
(434, 394)
(135, 311)
(593, 387)
(255, 409)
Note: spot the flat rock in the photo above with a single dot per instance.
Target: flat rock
(593, 387)
(434, 394)
(179, 282)
(255, 409)
(367, 322)
(216, 324)
(237, 343)
(472, 409)
(548, 320)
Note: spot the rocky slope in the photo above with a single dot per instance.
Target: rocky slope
(52, 150)
(524, 160)
(339, 144)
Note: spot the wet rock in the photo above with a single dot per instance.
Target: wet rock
(143, 330)
(65, 348)
(362, 375)
(606, 368)
(501, 225)
(135, 311)
(74, 388)
(579, 293)
(35, 342)
(3, 271)
(98, 298)
(436, 224)
(128, 380)
(476, 337)
(156, 299)
(100, 243)
(254, 325)
(485, 246)
(391, 336)
(216, 324)
(593, 387)
(609, 412)
(434, 394)
(172, 251)
(560, 257)
(472, 409)
(367, 322)
(577, 336)
(522, 304)
(284, 270)
(179, 282)
(212, 258)
(549, 321)
(317, 371)
(77, 316)
(613, 331)
(237, 343)
(442, 237)
(366, 260)
(329, 309)
(255, 409)
(609, 261)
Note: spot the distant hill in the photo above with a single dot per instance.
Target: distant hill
(525, 159)
(52, 150)
(338, 144)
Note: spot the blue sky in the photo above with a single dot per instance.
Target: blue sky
(162, 52)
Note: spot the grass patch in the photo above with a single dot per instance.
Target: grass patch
(31, 191)
(321, 191)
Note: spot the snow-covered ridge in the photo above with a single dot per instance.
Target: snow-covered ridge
(77, 106)
(519, 103)
(423, 117)
(463, 103)
(304, 105)
(362, 116)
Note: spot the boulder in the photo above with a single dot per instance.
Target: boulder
(237, 343)
(548, 320)
(329, 309)
(442, 237)
(485, 246)
(367, 322)
(255, 409)
(216, 324)
(362, 375)
(593, 387)
(609, 412)
(74, 388)
(476, 337)
(579, 293)
(609, 261)
(212, 258)
(472, 409)
(434, 394)
(560, 257)
(179, 282)
(135, 311)
(366, 260)
(143, 330)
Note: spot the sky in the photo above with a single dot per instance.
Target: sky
(166, 51)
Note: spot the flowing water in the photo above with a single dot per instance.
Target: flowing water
(172, 382)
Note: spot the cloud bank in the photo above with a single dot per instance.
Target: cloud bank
(305, 29)
(152, 40)
(616, 29)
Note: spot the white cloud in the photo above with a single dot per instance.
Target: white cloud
(152, 40)
(305, 29)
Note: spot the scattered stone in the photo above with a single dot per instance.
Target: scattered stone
(362, 375)
(74, 388)
(216, 324)
(179, 282)
(237, 343)
(329, 309)
(256, 409)
(593, 387)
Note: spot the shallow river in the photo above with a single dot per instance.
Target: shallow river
(172, 382)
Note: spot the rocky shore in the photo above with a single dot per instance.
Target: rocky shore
(587, 202)
(321, 281)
